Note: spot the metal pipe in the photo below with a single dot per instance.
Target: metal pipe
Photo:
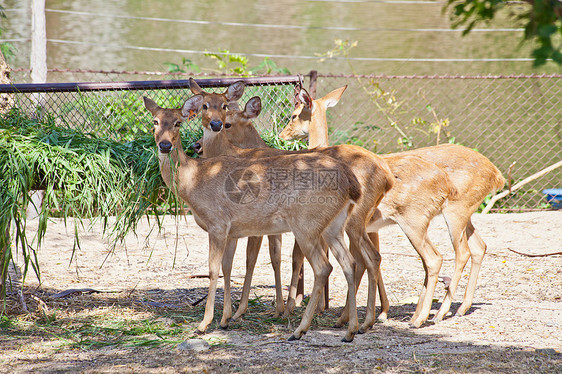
(143, 85)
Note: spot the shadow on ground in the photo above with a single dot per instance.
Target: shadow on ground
(138, 330)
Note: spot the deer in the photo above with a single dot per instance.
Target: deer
(372, 172)
(215, 188)
(394, 208)
(472, 177)
(254, 242)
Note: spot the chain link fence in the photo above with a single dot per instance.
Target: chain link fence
(116, 110)
(514, 120)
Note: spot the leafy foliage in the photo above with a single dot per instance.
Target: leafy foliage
(91, 332)
(186, 66)
(6, 48)
(542, 22)
(83, 176)
(388, 105)
(268, 66)
(229, 63)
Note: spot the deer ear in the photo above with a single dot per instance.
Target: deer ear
(195, 87)
(253, 107)
(304, 97)
(235, 91)
(233, 105)
(150, 105)
(192, 106)
(333, 97)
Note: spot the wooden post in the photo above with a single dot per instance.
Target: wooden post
(38, 66)
(38, 60)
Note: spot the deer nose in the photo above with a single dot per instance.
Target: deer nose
(197, 147)
(165, 146)
(216, 125)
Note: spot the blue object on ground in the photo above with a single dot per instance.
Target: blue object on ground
(554, 197)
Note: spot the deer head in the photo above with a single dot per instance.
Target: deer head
(215, 106)
(241, 118)
(167, 122)
(308, 110)
(239, 128)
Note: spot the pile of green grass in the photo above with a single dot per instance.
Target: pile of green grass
(84, 176)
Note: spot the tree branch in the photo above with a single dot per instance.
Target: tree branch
(520, 184)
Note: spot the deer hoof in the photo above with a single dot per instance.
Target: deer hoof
(382, 317)
(363, 330)
(347, 339)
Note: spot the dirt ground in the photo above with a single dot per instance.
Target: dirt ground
(514, 325)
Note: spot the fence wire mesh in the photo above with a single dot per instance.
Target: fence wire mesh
(513, 120)
(119, 112)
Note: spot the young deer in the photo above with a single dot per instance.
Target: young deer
(238, 197)
(394, 208)
(470, 175)
(234, 92)
(373, 174)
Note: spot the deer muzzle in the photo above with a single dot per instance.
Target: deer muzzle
(165, 146)
(216, 125)
(197, 147)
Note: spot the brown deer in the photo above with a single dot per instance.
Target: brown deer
(254, 242)
(471, 174)
(373, 174)
(234, 197)
(396, 206)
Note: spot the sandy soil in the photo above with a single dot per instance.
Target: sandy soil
(515, 324)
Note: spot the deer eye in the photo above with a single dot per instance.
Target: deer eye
(293, 117)
(177, 124)
(227, 125)
(225, 107)
(205, 107)
(155, 122)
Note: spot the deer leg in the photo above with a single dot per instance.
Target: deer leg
(457, 230)
(359, 271)
(227, 260)
(298, 260)
(366, 257)
(314, 253)
(252, 251)
(385, 305)
(347, 263)
(432, 261)
(322, 305)
(217, 245)
(432, 264)
(333, 236)
(275, 255)
(421, 298)
(373, 260)
(477, 252)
